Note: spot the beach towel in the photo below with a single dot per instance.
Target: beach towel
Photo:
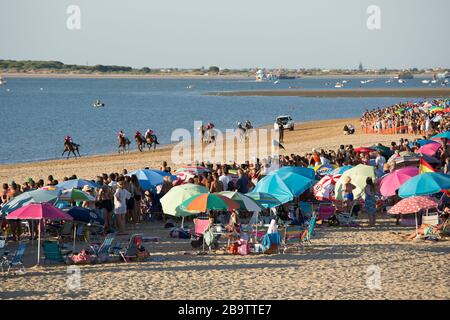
(269, 240)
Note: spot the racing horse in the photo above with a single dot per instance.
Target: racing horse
(140, 141)
(124, 144)
(151, 140)
(71, 147)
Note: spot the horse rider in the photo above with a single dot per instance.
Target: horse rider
(248, 124)
(139, 135)
(68, 139)
(121, 135)
(148, 133)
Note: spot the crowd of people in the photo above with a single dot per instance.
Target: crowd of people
(411, 118)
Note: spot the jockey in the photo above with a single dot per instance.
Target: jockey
(68, 139)
(148, 133)
(138, 134)
(121, 134)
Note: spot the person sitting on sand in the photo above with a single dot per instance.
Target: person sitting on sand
(427, 230)
(233, 224)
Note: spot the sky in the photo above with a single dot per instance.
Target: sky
(229, 34)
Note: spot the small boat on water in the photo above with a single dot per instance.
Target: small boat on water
(277, 82)
(98, 104)
(338, 85)
(434, 81)
(425, 81)
(401, 81)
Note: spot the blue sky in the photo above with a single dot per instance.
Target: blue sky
(229, 34)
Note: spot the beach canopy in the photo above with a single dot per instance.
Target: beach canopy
(264, 199)
(38, 211)
(324, 189)
(413, 205)
(149, 178)
(209, 201)
(443, 135)
(75, 195)
(358, 175)
(430, 149)
(425, 184)
(172, 200)
(390, 183)
(245, 203)
(286, 183)
(35, 196)
(76, 184)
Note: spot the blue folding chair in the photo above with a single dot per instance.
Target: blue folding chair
(16, 261)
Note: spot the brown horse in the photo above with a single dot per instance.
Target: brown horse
(71, 148)
(151, 140)
(124, 144)
(139, 141)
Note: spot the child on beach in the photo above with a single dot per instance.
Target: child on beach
(120, 203)
(347, 189)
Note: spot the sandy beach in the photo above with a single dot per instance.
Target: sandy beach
(336, 265)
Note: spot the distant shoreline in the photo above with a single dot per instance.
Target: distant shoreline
(357, 93)
(45, 75)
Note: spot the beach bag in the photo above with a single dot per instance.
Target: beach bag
(244, 248)
(82, 258)
(233, 248)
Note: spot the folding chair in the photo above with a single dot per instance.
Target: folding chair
(132, 249)
(103, 251)
(53, 252)
(200, 227)
(16, 261)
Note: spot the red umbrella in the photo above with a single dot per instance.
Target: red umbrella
(364, 150)
(413, 205)
(430, 149)
(38, 211)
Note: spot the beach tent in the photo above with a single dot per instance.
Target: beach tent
(425, 184)
(358, 176)
(38, 211)
(390, 183)
(35, 196)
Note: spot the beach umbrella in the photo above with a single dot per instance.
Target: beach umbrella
(38, 211)
(286, 183)
(209, 201)
(358, 176)
(148, 179)
(75, 195)
(264, 199)
(85, 216)
(392, 181)
(76, 184)
(341, 170)
(324, 189)
(195, 170)
(364, 150)
(413, 205)
(425, 184)
(245, 203)
(430, 149)
(35, 196)
(172, 200)
(443, 135)
(324, 169)
(423, 142)
(385, 151)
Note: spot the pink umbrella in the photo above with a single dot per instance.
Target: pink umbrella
(429, 149)
(391, 182)
(38, 211)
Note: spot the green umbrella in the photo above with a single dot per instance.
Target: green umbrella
(209, 201)
(385, 151)
(75, 195)
(245, 203)
(171, 200)
(358, 176)
(36, 196)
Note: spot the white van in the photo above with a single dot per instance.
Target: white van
(286, 121)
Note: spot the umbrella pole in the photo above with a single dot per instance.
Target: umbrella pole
(182, 222)
(39, 242)
(256, 232)
(74, 236)
(415, 215)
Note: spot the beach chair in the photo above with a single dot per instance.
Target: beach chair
(325, 211)
(16, 260)
(197, 236)
(53, 252)
(131, 251)
(66, 231)
(306, 208)
(102, 252)
(430, 218)
(309, 232)
(271, 243)
(292, 235)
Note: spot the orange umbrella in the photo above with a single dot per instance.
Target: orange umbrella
(209, 201)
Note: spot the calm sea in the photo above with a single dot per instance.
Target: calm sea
(36, 114)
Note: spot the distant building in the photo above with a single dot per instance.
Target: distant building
(361, 68)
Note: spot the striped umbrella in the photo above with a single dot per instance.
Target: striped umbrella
(245, 202)
(209, 201)
(324, 189)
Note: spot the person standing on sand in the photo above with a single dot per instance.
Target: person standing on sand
(120, 203)
(225, 178)
(370, 202)
(347, 190)
(106, 196)
(136, 193)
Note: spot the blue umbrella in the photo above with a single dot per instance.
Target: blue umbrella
(341, 170)
(443, 135)
(76, 184)
(148, 178)
(422, 142)
(264, 199)
(286, 183)
(424, 184)
(84, 215)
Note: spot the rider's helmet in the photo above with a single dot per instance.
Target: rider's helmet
(138, 133)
